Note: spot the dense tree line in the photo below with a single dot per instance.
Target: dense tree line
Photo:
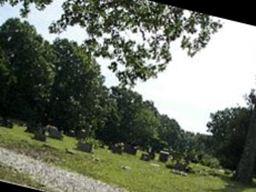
(32, 80)
(61, 84)
(229, 128)
(233, 138)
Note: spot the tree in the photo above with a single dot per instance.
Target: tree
(234, 137)
(6, 79)
(170, 132)
(128, 103)
(110, 133)
(28, 63)
(135, 35)
(130, 119)
(145, 127)
(245, 169)
(76, 91)
(229, 129)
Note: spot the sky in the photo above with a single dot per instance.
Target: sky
(190, 88)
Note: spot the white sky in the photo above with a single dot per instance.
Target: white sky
(190, 88)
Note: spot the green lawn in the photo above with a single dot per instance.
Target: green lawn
(107, 167)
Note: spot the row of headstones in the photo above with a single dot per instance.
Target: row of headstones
(146, 156)
(41, 134)
(164, 156)
(118, 148)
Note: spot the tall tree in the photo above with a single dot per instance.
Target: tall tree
(28, 59)
(170, 132)
(145, 127)
(77, 88)
(229, 129)
(130, 120)
(110, 133)
(6, 79)
(245, 169)
(136, 35)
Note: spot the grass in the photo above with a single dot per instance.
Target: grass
(107, 167)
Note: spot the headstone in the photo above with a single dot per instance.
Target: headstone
(85, 147)
(54, 133)
(31, 127)
(81, 134)
(71, 133)
(96, 159)
(126, 167)
(130, 149)
(164, 156)
(182, 167)
(179, 173)
(40, 135)
(152, 153)
(118, 148)
(155, 165)
(69, 151)
(145, 157)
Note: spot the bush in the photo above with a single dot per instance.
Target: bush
(181, 165)
(209, 161)
(95, 143)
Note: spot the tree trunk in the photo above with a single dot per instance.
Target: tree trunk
(244, 172)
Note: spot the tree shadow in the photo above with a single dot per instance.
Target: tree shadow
(233, 186)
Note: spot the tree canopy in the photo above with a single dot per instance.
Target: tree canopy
(229, 128)
(76, 91)
(136, 36)
(28, 63)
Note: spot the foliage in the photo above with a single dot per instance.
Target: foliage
(246, 167)
(210, 161)
(170, 132)
(6, 79)
(95, 143)
(61, 84)
(229, 128)
(131, 120)
(76, 91)
(135, 35)
(29, 66)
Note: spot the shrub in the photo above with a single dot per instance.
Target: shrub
(95, 143)
(210, 161)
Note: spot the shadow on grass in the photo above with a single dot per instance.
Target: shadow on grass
(232, 186)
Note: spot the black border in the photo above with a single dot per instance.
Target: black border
(244, 12)
(14, 187)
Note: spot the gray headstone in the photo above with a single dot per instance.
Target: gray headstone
(53, 132)
(85, 147)
(145, 157)
(130, 149)
(164, 156)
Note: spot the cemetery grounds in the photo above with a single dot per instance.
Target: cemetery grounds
(126, 171)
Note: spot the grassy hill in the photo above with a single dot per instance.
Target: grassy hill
(103, 165)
